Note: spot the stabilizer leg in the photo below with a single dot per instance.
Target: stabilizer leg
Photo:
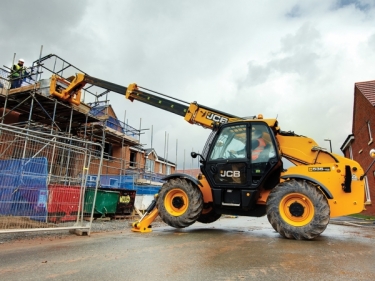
(144, 224)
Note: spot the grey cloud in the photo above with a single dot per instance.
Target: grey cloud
(38, 16)
(298, 54)
(302, 63)
(295, 12)
(362, 5)
(306, 38)
(256, 74)
(26, 25)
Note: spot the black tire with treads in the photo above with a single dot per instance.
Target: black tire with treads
(297, 209)
(179, 203)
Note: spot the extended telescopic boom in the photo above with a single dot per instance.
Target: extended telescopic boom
(193, 113)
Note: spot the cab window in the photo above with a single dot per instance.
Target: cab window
(230, 144)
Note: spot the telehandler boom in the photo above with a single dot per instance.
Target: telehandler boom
(242, 172)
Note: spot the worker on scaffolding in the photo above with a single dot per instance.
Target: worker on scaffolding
(19, 72)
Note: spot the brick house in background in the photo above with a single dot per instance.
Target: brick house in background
(156, 165)
(358, 144)
(122, 152)
(126, 157)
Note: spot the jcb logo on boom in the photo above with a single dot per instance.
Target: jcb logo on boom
(230, 174)
(217, 118)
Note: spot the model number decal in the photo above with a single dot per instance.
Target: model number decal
(217, 118)
(230, 174)
(319, 169)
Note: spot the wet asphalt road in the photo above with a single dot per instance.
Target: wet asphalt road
(229, 249)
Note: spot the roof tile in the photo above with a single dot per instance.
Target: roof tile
(368, 90)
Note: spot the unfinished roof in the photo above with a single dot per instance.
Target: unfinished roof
(368, 90)
(45, 109)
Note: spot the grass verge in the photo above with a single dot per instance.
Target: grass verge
(364, 217)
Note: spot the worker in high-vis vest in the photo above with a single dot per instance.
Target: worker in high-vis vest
(18, 74)
(257, 144)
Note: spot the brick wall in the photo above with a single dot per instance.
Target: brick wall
(10, 117)
(362, 113)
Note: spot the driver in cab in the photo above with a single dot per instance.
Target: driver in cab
(257, 146)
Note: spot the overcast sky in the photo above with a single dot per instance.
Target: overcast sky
(294, 60)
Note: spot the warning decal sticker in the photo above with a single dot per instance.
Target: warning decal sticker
(319, 169)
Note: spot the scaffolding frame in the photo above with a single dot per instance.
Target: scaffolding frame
(39, 111)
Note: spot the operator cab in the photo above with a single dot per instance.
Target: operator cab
(241, 159)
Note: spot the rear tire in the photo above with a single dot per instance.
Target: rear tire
(180, 203)
(208, 216)
(297, 209)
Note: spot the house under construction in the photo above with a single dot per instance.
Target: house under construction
(74, 141)
(92, 118)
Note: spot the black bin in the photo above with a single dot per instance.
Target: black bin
(125, 202)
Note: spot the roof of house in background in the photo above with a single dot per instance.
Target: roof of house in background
(102, 109)
(367, 88)
(161, 159)
(348, 140)
(148, 151)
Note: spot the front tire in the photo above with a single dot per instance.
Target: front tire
(297, 209)
(180, 203)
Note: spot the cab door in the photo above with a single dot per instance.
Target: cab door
(228, 161)
(242, 155)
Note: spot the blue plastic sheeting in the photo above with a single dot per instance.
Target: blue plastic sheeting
(23, 188)
(97, 110)
(157, 178)
(111, 121)
(146, 189)
(122, 182)
(114, 123)
(111, 181)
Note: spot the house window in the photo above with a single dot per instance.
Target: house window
(350, 152)
(369, 132)
(160, 168)
(150, 165)
(133, 159)
(168, 170)
(108, 151)
(367, 192)
(97, 150)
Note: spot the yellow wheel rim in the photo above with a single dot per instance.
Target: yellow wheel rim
(176, 202)
(296, 209)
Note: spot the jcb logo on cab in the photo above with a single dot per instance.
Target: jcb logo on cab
(230, 174)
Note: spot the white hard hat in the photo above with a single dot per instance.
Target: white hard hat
(21, 60)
